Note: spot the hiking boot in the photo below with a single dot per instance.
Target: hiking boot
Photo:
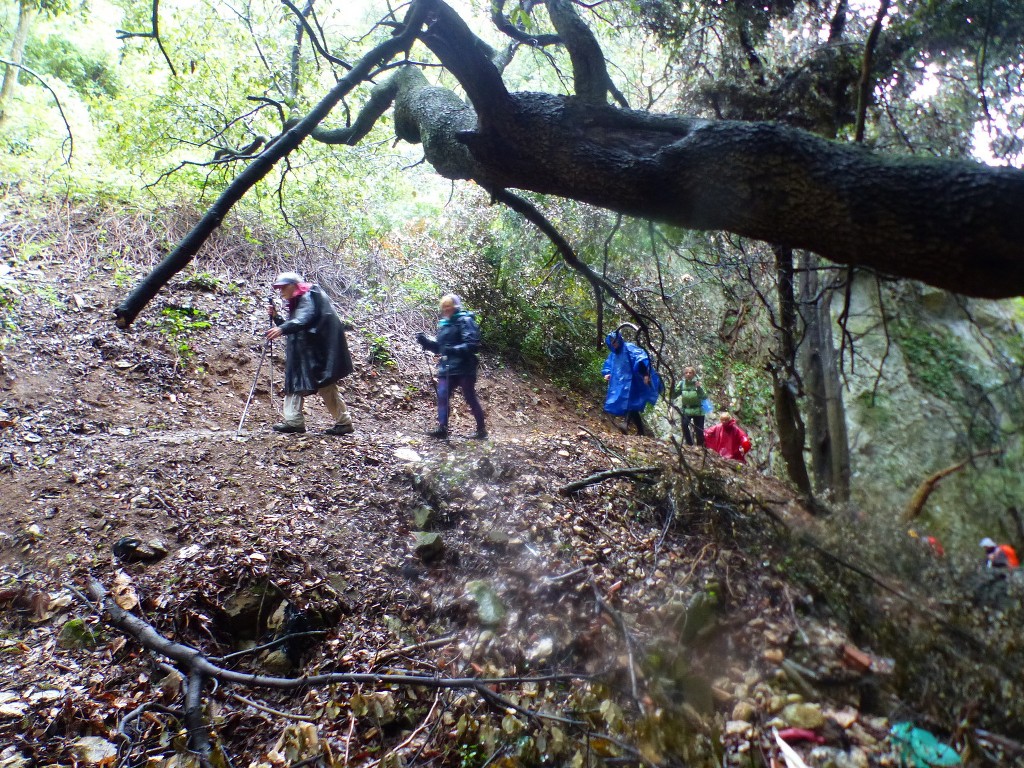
(340, 429)
(288, 429)
(441, 433)
(480, 434)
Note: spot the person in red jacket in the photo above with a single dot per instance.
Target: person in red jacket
(727, 438)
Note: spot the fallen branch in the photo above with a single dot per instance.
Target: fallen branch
(924, 490)
(199, 670)
(620, 622)
(271, 711)
(608, 474)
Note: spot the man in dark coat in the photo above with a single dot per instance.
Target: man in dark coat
(316, 353)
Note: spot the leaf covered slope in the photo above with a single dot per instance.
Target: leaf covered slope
(657, 614)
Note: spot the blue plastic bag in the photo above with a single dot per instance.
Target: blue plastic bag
(920, 749)
(706, 406)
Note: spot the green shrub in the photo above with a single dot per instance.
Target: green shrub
(933, 358)
(178, 325)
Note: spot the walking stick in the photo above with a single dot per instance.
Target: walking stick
(430, 370)
(252, 390)
(255, 379)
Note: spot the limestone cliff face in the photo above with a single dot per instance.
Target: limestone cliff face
(950, 388)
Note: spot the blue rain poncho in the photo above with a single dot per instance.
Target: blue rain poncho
(627, 368)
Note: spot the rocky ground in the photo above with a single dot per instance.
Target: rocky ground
(644, 619)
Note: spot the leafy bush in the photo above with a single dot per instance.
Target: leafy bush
(88, 73)
(934, 358)
(178, 326)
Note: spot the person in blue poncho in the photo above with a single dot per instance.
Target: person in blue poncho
(632, 383)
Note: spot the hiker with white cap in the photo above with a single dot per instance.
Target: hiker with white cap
(999, 555)
(316, 353)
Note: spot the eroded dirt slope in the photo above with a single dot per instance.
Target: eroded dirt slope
(395, 551)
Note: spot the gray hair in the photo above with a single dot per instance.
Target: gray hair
(454, 298)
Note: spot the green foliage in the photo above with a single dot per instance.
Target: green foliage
(10, 298)
(88, 73)
(122, 272)
(737, 386)
(380, 350)
(178, 325)
(204, 281)
(934, 359)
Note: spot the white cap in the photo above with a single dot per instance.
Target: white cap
(287, 278)
(987, 543)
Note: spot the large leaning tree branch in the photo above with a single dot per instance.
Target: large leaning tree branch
(126, 312)
(952, 224)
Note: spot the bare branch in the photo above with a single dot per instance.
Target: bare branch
(318, 44)
(153, 33)
(517, 33)
(608, 474)
(865, 82)
(70, 139)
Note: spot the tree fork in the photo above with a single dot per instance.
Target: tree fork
(126, 312)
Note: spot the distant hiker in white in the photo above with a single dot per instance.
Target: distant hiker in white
(316, 353)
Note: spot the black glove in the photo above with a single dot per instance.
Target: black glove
(421, 339)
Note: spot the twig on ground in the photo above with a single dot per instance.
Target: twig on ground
(620, 622)
(265, 646)
(608, 474)
(272, 711)
(603, 447)
(435, 643)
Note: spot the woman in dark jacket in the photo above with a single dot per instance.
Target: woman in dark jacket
(316, 353)
(458, 337)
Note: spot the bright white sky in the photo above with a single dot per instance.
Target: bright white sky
(357, 13)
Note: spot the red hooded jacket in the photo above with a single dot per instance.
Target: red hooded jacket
(728, 439)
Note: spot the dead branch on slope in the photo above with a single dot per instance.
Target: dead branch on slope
(199, 671)
(608, 474)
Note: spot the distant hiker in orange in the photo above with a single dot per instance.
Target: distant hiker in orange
(999, 555)
(727, 438)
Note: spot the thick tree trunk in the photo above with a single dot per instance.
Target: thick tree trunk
(26, 15)
(826, 413)
(788, 422)
(955, 225)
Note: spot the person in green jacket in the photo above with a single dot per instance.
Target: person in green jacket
(690, 394)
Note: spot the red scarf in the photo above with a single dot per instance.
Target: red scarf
(293, 302)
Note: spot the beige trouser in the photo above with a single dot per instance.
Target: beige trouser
(294, 417)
